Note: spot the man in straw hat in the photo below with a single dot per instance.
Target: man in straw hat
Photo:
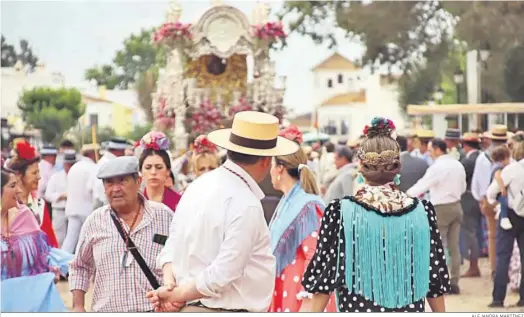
(472, 217)
(422, 151)
(480, 183)
(56, 194)
(79, 203)
(218, 252)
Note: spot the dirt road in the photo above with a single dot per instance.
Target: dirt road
(475, 296)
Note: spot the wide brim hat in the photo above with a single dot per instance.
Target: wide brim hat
(471, 137)
(254, 133)
(425, 134)
(498, 132)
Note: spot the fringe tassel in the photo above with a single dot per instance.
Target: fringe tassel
(387, 258)
(304, 224)
(28, 255)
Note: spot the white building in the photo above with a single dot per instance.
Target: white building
(347, 98)
(15, 80)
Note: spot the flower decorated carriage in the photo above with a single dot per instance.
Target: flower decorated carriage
(205, 81)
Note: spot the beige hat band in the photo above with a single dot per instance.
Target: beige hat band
(252, 143)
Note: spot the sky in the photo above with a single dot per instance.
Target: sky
(71, 36)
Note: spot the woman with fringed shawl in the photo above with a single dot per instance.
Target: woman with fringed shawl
(24, 163)
(294, 227)
(30, 267)
(379, 250)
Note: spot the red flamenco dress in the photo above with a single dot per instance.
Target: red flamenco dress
(39, 209)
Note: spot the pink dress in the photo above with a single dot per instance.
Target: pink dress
(289, 291)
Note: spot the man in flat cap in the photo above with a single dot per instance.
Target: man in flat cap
(114, 148)
(119, 243)
(79, 203)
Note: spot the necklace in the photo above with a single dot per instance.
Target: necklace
(131, 227)
(238, 175)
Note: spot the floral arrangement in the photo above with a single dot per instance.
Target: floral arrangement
(380, 123)
(174, 32)
(269, 31)
(163, 118)
(292, 133)
(203, 145)
(206, 118)
(279, 112)
(242, 105)
(157, 141)
(25, 151)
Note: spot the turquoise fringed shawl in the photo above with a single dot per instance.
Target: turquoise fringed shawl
(386, 256)
(294, 220)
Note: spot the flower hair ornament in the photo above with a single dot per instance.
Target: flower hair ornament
(292, 133)
(203, 145)
(157, 141)
(379, 126)
(23, 150)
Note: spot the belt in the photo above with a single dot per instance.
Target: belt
(199, 304)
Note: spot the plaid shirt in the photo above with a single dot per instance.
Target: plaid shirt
(118, 287)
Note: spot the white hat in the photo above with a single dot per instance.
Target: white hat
(254, 133)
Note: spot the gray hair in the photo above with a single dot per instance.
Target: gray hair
(344, 151)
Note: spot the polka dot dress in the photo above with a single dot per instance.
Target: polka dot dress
(321, 274)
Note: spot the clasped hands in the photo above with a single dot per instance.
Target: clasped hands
(165, 298)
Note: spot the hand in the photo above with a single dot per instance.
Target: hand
(57, 273)
(503, 192)
(169, 307)
(63, 196)
(79, 309)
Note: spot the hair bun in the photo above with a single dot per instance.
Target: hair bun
(379, 127)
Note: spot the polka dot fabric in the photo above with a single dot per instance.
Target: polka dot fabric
(321, 274)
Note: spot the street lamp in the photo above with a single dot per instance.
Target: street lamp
(458, 78)
(438, 95)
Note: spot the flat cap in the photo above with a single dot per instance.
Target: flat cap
(120, 166)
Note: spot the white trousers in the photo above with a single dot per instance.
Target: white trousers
(74, 225)
(60, 224)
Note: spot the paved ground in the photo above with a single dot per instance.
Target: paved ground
(476, 295)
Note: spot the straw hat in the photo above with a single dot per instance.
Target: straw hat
(253, 133)
(498, 132)
(424, 134)
(471, 137)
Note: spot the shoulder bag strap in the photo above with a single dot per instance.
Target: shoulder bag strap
(134, 251)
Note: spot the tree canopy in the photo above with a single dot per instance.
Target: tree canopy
(53, 111)
(10, 55)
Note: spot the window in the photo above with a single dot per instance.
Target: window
(93, 119)
(330, 83)
(340, 79)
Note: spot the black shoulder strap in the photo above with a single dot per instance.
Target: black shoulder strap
(487, 156)
(134, 251)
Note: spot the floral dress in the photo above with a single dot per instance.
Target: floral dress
(326, 272)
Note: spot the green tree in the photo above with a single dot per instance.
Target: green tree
(10, 55)
(138, 55)
(514, 73)
(53, 111)
(145, 86)
(139, 131)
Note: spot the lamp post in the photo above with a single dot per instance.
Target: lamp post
(438, 95)
(484, 53)
(458, 78)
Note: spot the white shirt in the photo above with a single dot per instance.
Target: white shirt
(445, 179)
(220, 240)
(79, 192)
(481, 177)
(56, 186)
(97, 185)
(46, 170)
(513, 177)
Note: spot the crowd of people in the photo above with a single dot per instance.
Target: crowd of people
(253, 220)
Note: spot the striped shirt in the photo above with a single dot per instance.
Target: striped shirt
(119, 286)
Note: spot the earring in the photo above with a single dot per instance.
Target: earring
(396, 180)
(360, 179)
(278, 178)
